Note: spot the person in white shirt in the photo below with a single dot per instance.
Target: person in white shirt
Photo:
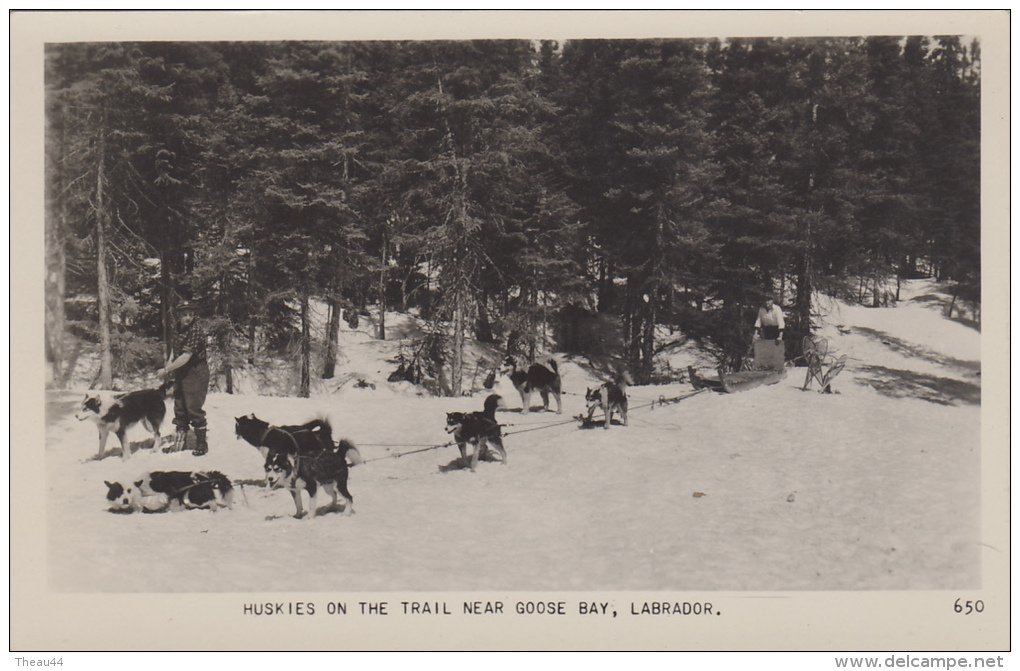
(770, 323)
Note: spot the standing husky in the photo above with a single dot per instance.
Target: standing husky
(308, 437)
(536, 377)
(610, 397)
(478, 428)
(297, 472)
(119, 412)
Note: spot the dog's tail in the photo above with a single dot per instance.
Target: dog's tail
(553, 366)
(349, 452)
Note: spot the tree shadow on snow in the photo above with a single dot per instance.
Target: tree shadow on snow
(941, 302)
(320, 511)
(904, 348)
(459, 464)
(904, 383)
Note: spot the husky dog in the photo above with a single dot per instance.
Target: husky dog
(176, 490)
(119, 412)
(297, 472)
(610, 397)
(309, 437)
(478, 428)
(546, 380)
(128, 498)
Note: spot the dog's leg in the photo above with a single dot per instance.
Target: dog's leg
(559, 402)
(313, 503)
(125, 445)
(607, 410)
(296, 493)
(545, 398)
(104, 434)
(623, 411)
(341, 486)
(331, 490)
(526, 401)
(156, 438)
(498, 444)
(479, 444)
(463, 452)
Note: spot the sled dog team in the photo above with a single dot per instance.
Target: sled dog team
(305, 458)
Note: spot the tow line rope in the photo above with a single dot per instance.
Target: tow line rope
(661, 401)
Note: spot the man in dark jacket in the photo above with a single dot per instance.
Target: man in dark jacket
(189, 367)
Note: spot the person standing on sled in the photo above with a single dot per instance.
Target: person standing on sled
(189, 368)
(770, 323)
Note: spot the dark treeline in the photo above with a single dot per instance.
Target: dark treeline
(623, 195)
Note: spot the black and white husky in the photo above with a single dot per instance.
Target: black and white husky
(545, 380)
(478, 428)
(610, 397)
(173, 490)
(117, 413)
(311, 471)
(311, 436)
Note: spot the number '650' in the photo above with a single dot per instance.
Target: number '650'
(968, 607)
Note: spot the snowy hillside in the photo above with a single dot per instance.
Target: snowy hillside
(874, 487)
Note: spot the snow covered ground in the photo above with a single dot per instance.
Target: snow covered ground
(875, 487)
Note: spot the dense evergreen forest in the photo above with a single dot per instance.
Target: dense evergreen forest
(624, 196)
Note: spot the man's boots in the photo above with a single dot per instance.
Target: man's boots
(180, 438)
(201, 443)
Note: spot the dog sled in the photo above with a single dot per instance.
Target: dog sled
(731, 383)
(768, 367)
(749, 379)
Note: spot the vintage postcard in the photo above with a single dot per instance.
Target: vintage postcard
(510, 330)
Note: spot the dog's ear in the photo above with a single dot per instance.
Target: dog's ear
(108, 484)
(138, 483)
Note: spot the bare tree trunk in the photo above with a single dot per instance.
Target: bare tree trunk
(382, 287)
(56, 277)
(106, 370)
(306, 347)
(457, 366)
(253, 316)
(332, 332)
(802, 304)
(648, 344)
(228, 347)
(56, 272)
(164, 301)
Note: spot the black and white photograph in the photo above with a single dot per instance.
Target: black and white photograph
(635, 334)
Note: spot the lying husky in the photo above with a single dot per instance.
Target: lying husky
(478, 428)
(117, 413)
(310, 471)
(176, 490)
(546, 380)
(309, 437)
